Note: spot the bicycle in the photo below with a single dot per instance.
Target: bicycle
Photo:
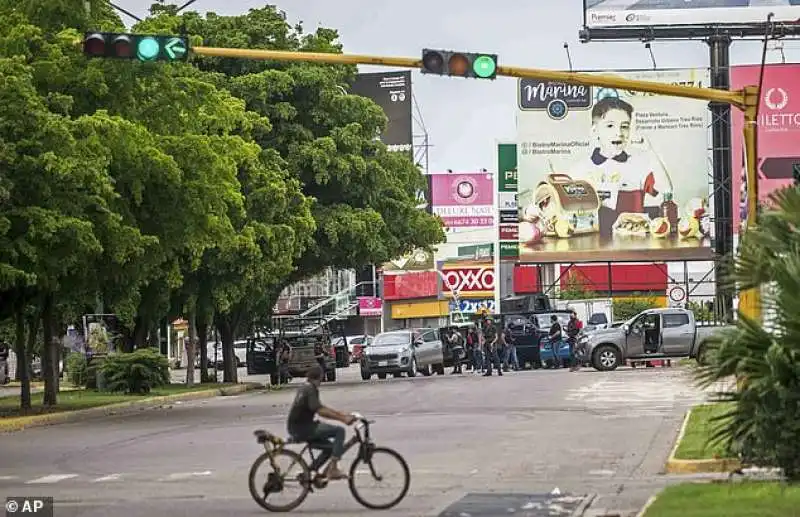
(310, 478)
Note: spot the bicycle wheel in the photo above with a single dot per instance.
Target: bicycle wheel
(293, 473)
(375, 469)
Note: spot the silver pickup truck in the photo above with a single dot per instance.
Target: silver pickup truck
(652, 334)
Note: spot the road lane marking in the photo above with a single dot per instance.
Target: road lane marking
(8, 478)
(110, 477)
(185, 475)
(53, 478)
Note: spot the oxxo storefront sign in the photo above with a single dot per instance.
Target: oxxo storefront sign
(473, 281)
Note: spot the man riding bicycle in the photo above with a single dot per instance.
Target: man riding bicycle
(303, 426)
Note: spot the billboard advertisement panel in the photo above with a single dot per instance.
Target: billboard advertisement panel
(392, 92)
(507, 211)
(649, 13)
(778, 133)
(463, 201)
(606, 174)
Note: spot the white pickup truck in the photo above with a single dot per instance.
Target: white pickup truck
(652, 334)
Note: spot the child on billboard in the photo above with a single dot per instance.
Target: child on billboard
(627, 179)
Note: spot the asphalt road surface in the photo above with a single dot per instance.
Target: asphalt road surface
(476, 446)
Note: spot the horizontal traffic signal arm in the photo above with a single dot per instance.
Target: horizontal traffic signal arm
(741, 99)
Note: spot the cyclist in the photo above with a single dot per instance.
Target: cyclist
(303, 426)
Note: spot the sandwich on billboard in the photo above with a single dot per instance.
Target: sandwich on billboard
(463, 200)
(778, 133)
(649, 13)
(606, 174)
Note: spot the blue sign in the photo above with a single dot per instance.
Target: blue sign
(472, 306)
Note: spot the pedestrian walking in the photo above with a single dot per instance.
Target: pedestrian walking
(510, 360)
(284, 356)
(574, 327)
(456, 344)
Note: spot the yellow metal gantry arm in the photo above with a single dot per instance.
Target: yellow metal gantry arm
(746, 100)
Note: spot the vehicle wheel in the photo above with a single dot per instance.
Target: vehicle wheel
(426, 371)
(412, 370)
(365, 376)
(330, 375)
(366, 467)
(606, 358)
(274, 379)
(275, 483)
(381, 376)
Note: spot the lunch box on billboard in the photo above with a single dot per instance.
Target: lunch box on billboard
(574, 202)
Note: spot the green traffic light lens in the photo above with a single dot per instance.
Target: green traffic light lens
(148, 49)
(484, 66)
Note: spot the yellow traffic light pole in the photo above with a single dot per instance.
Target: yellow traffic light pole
(746, 100)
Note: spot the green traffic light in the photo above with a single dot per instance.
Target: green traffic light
(148, 49)
(484, 66)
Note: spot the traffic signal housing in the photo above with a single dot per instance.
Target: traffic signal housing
(143, 47)
(459, 64)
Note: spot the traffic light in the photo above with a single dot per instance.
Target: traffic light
(136, 46)
(459, 64)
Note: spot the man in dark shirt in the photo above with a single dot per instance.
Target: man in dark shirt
(573, 329)
(555, 337)
(490, 349)
(303, 426)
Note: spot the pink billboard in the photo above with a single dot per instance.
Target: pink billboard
(778, 132)
(370, 306)
(463, 200)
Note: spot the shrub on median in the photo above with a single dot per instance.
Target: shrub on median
(137, 372)
(764, 356)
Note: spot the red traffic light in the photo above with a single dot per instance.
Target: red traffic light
(432, 62)
(95, 45)
(123, 47)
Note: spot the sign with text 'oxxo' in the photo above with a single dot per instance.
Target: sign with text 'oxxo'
(468, 280)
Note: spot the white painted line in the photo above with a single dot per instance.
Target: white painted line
(110, 477)
(8, 478)
(53, 478)
(185, 475)
(601, 472)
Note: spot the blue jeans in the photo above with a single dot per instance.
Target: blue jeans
(510, 357)
(322, 433)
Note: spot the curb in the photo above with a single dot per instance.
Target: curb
(647, 506)
(676, 466)
(585, 504)
(26, 422)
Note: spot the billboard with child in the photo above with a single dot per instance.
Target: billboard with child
(613, 175)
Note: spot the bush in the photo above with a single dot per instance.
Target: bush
(137, 372)
(764, 426)
(627, 308)
(77, 369)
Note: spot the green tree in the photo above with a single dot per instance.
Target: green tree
(764, 355)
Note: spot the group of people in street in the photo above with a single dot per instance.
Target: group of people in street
(485, 348)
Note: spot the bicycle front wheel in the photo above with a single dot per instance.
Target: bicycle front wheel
(269, 486)
(386, 468)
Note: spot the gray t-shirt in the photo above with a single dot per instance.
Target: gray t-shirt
(301, 422)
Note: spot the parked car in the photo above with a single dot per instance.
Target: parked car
(408, 351)
(651, 334)
(215, 354)
(356, 346)
(527, 331)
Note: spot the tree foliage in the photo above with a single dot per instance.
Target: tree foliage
(197, 189)
(765, 356)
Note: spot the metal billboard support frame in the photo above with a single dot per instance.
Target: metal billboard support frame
(718, 39)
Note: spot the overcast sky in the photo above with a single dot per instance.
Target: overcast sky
(465, 118)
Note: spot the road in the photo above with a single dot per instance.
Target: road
(525, 433)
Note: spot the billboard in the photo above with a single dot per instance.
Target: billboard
(648, 13)
(468, 279)
(392, 92)
(507, 211)
(778, 133)
(463, 200)
(612, 175)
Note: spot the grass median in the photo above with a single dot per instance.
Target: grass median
(75, 400)
(752, 499)
(695, 444)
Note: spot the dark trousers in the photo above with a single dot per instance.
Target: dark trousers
(492, 359)
(328, 440)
